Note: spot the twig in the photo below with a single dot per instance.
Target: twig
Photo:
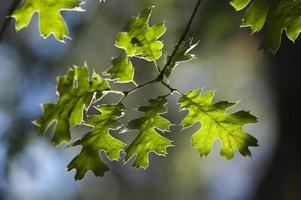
(6, 23)
(127, 93)
(182, 38)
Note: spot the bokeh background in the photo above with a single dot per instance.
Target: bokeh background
(228, 61)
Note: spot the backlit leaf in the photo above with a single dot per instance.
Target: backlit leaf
(99, 139)
(122, 69)
(50, 18)
(181, 55)
(139, 39)
(75, 91)
(216, 124)
(148, 138)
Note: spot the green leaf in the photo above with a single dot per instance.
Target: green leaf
(51, 20)
(239, 4)
(277, 17)
(256, 15)
(122, 69)
(216, 124)
(76, 92)
(181, 55)
(148, 138)
(99, 139)
(139, 39)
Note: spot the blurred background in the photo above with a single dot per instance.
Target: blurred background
(228, 61)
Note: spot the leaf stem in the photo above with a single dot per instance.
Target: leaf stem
(157, 67)
(134, 83)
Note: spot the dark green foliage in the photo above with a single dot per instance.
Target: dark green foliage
(276, 15)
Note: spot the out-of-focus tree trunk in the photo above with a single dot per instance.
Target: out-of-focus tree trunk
(283, 178)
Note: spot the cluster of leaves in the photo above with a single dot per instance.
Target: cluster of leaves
(78, 93)
(275, 15)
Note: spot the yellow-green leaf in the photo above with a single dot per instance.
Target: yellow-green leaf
(139, 39)
(149, 139)
(122, 69)
(99, 139)
(216, 124)
(76, 92)
(50, 18)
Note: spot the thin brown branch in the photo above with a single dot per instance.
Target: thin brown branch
(182, 38)
(7, 20)
(127, 93)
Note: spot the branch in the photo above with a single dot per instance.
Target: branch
(127, 93)
(6, 23)
(182, 38)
